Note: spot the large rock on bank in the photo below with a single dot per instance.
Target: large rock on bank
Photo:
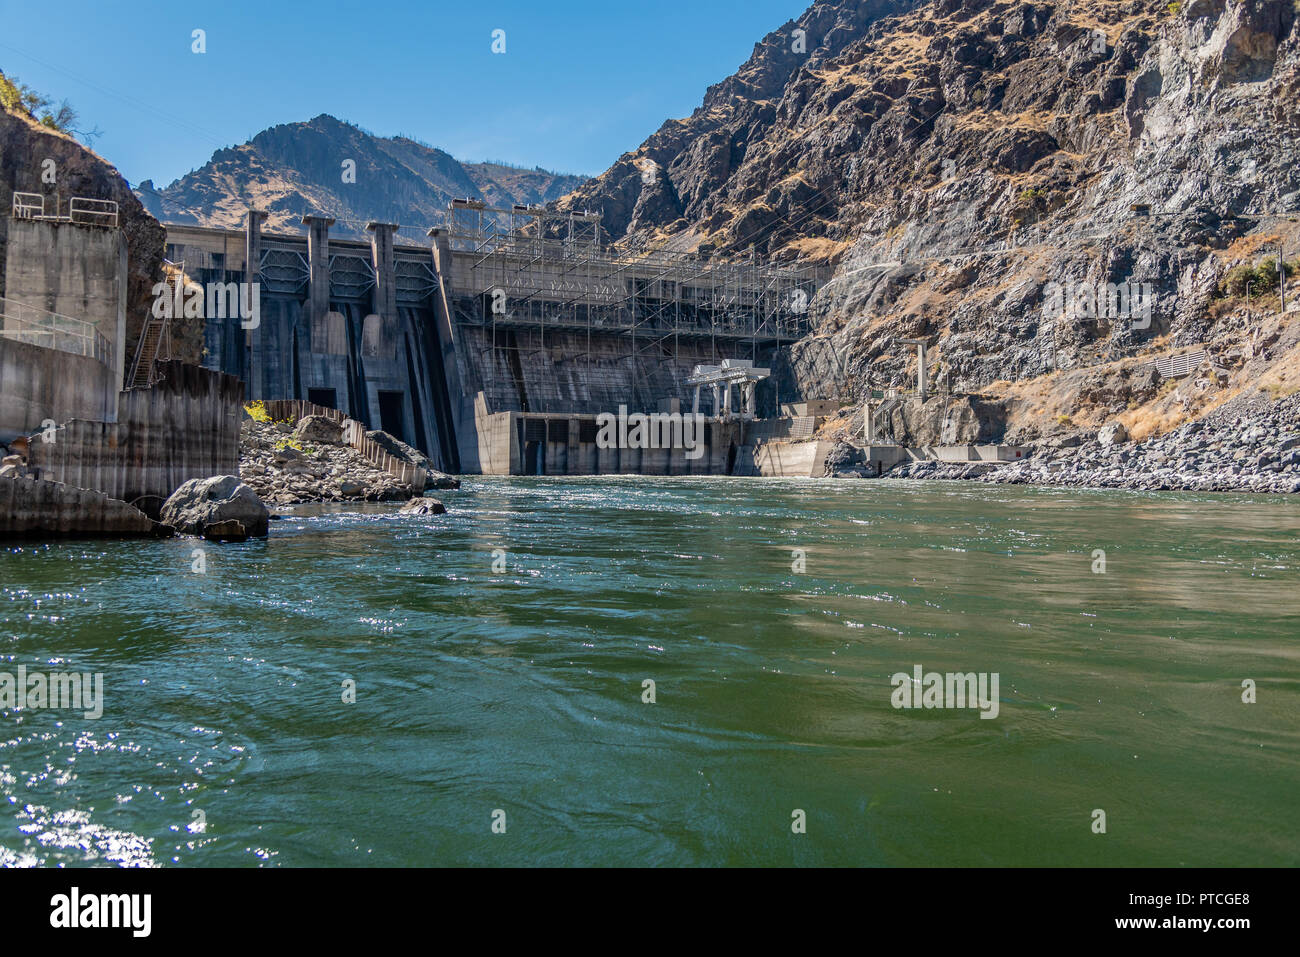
(406, 453)
(1113, 434)
(201, 503)
(319, 428)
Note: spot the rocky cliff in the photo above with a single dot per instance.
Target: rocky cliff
(25, 148)
(962, 163)
(331, 166)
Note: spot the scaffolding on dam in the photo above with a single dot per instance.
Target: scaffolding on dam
(530, 267)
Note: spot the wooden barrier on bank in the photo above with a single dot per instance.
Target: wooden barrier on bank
(354, 436)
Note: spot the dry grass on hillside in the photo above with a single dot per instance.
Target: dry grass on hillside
(819, 250)
(1078, 399)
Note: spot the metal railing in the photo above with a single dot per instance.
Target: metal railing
(81, 210)
(92, 212)
(28, 205)
(39, 327)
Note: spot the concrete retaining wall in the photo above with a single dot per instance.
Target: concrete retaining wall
(38, 384)
(967, 453)
(185, 427)
(790, 459)
(511, 443)
(39, 509)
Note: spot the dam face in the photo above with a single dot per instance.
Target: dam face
(455, 340)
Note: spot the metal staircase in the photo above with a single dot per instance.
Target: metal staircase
(155, 346)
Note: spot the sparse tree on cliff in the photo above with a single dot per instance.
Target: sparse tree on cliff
(18, 96)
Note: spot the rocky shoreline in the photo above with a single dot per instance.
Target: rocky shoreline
(306, 463)
(1251, 444)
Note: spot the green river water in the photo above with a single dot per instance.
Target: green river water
(224, 739)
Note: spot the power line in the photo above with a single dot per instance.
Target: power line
(139, 104)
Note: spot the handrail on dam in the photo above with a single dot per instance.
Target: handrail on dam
(39, 327)
(82, 210)
(29, 205)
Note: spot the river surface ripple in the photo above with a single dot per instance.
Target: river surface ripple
(500, 653)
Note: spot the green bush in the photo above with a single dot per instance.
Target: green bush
(1257, 280)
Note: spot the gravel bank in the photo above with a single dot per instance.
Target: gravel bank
(1251, 444)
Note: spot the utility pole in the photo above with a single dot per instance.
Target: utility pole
(1281, 274)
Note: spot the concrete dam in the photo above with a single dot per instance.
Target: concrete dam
(494, 341)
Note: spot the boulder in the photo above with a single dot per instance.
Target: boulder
(423, 506)
(405, 453)
(1145, 378)
(286, 455)
(1113, 434)
(230, 531)
(397, 492)
(350, 489)
(843, 458)
(319, 428)
(200, 503)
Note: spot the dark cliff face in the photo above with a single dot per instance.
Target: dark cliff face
(689, 176)
(297, 168)
(952, 158)
(24, 147)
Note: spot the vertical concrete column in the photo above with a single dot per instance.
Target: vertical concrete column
(318, 263)
(118, 341)
(442, 256)
(575, 464)
(381, 253)
(253, 244)
(252, 272)
(462, 405)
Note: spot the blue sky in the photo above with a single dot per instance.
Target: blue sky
(581, 82)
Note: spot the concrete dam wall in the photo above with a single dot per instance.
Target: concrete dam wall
(531, 370)
(428, 342)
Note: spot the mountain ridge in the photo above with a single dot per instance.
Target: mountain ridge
(294, 168)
